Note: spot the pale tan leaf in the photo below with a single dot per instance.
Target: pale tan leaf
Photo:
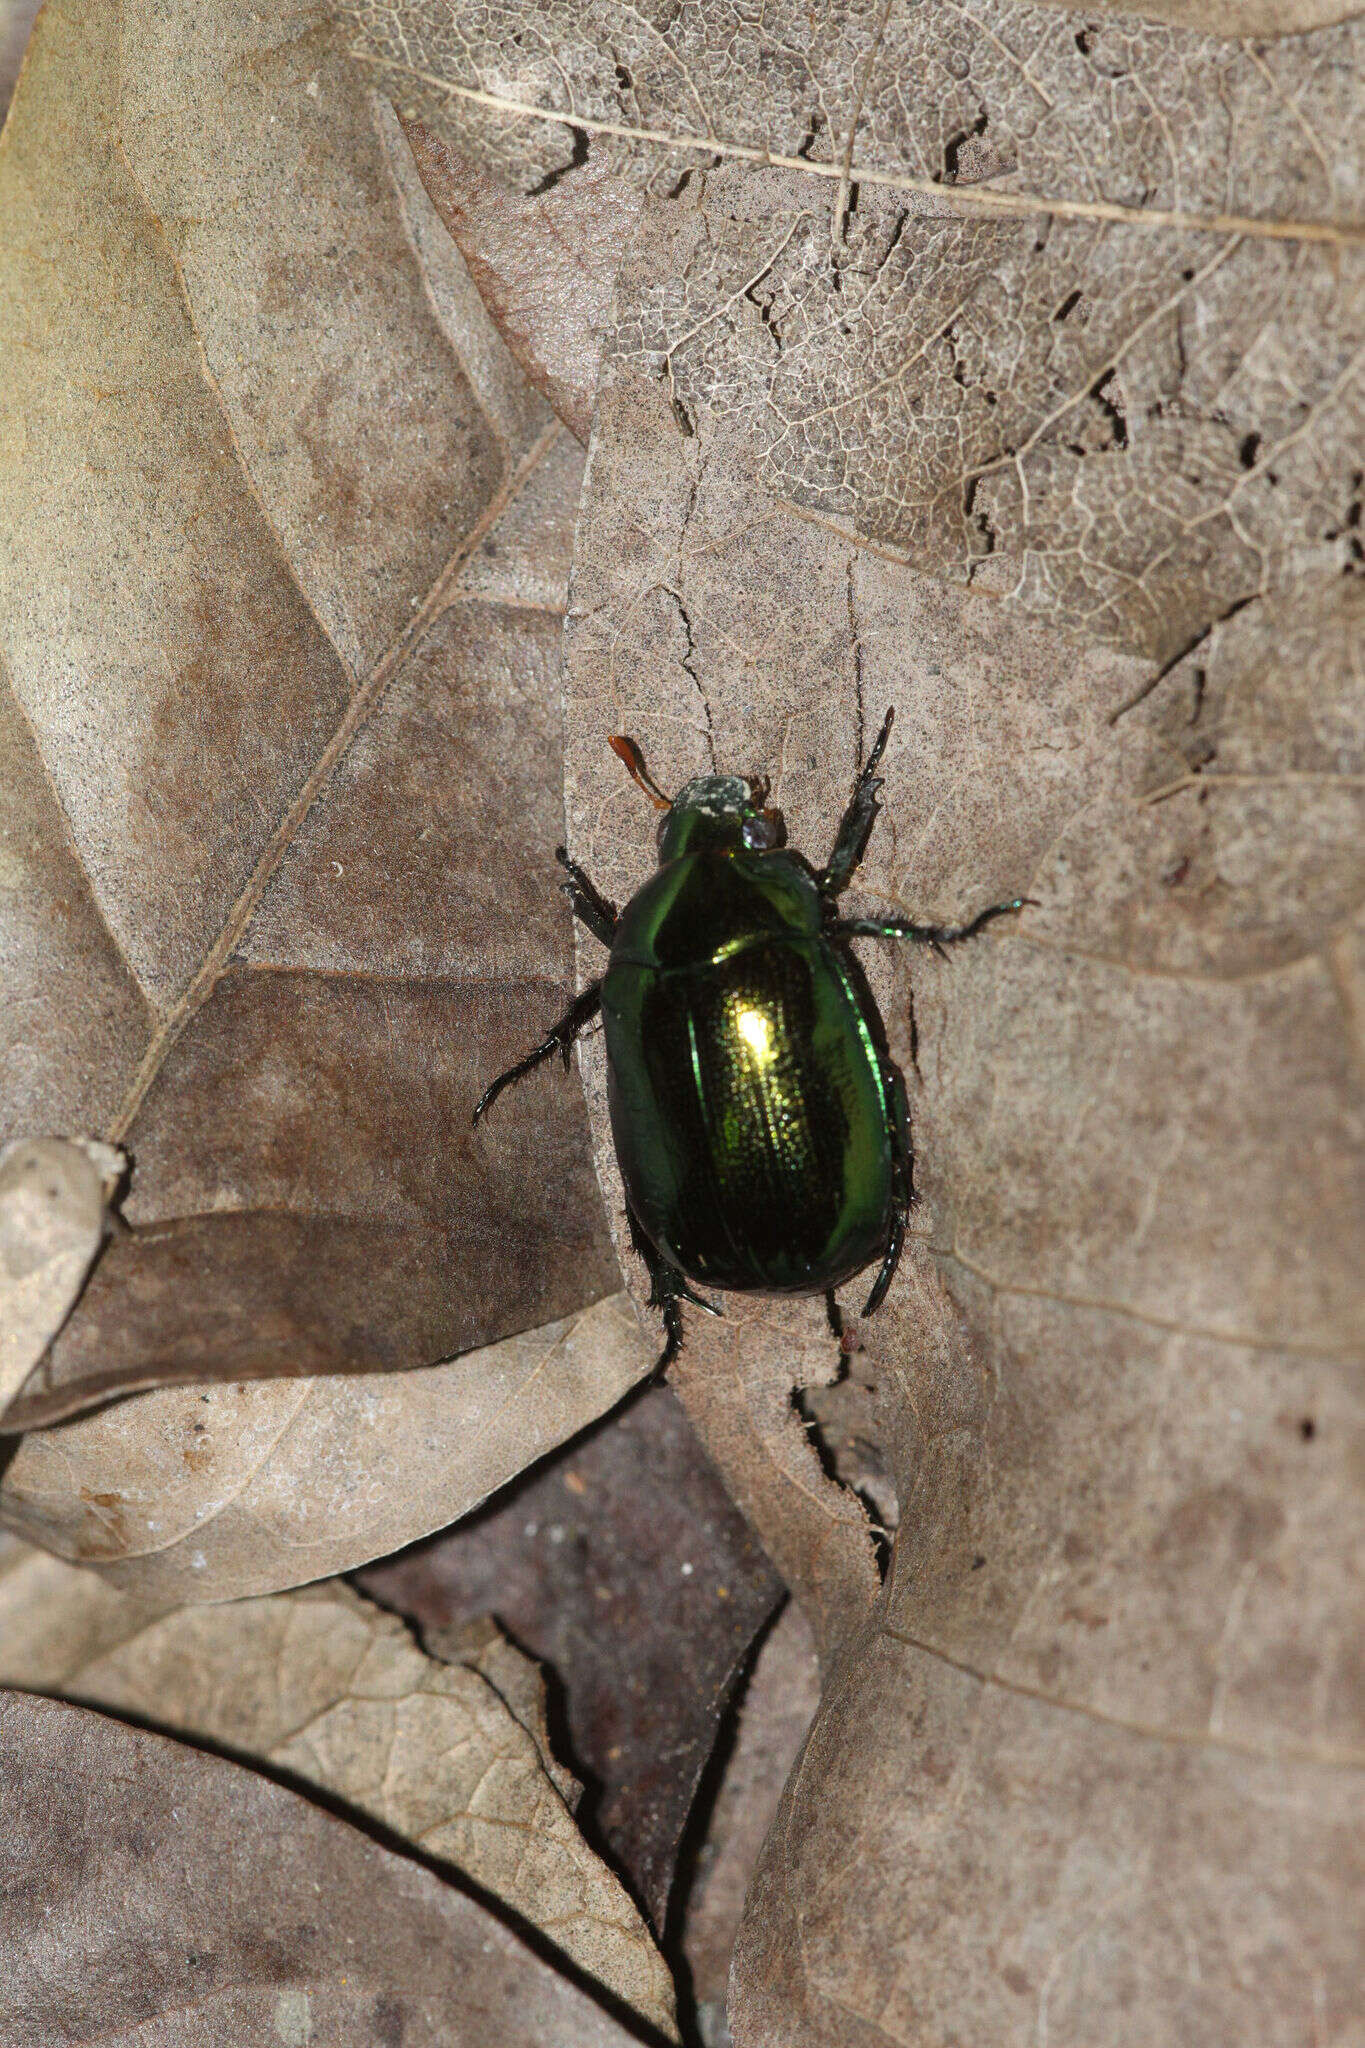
(1232, 18)
(517, 1679)
(1127, 1440)
(210, 1493)
(888, 95)
(222, 1908)
(53, 1196)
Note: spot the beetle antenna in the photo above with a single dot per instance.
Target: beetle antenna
(627, 751)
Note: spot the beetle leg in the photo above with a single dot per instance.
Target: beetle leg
(936, 935)
(902, 1172)
(855, 827)
(667, 1289)
(580, 1012)
(590, 906)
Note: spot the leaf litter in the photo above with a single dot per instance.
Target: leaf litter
(1040, 421)
(306, 1929)
(623, 1567)
(262, 933)
(322, 1689)
(971, 440)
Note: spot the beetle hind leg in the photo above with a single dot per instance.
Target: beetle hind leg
(668, 1289)
(902, 1185)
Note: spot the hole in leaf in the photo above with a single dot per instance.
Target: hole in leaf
(575, 163)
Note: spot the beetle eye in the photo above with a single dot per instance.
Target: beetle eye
(764, 831)
(660, 829)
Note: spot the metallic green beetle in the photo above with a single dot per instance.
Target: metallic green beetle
(759, 1122)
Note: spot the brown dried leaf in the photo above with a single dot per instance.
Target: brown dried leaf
(209, 1493)
(1138, 1169)
(324, 1688)
(539, 94)
(622, 1566)
(1051, 440)
(279, 708)
(223, 1908)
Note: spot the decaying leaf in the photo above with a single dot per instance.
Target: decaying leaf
(209, 1493)
(1004, 365)
(518, 1681)
(279, 710)
(324, 1688)
(1139, 1174)
(621, 1565)
(53, 1197)
(222, 1908)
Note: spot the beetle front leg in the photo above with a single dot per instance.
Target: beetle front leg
(580, 1012)
(855, 828)
(936, 935)
(590, 906)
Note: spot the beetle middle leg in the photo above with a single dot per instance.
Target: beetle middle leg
(936, 935)
(668, 1289)
(855, 827)
(581, 1011)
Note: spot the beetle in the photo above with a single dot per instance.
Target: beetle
(759, 1122)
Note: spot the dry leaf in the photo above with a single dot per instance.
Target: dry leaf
(1138, 1168)
(53, 1196)
(275, 762)
(324, 1688)
(544, 265)
(222, 1908)
(624, 1568)
(209, 1493)
(1023, 393)
(518, 1681)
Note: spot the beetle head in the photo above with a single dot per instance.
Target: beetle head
(720, 812)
